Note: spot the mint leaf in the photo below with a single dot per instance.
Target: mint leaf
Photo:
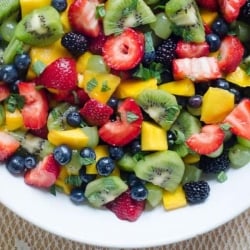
(87, 161)
(100, 11)
(105, 86)
(91, 84)
(73, 180)
(52, 190)
(14, 101)
(131, 117)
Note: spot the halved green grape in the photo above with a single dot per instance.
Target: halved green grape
(239, 156)
(7, 29)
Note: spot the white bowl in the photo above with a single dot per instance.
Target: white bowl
(84, 224)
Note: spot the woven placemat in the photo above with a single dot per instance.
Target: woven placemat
(18, 234)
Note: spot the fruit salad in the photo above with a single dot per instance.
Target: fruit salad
(125, 105)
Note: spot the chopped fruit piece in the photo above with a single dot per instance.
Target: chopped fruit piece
(96, 113)
(208, 4)
(208, 17)
(124, 51)
(174, 200)
(196, 69)
(4, 91)
(230, 54)
(83, 18)
(224, 105)
(13, 120)
(239, 77)
(127, 126)
(8, 145)
(207, 141)
(59, 75)
(44, 174)
(239, 119)
(29, 5)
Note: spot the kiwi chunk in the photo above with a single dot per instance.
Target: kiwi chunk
(7, 8)
(160, 105)
(162, 168)
(126, 13)
(104, 190)
(186, 20)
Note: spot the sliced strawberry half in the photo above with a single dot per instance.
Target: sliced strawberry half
(231, 53)
(124, 51)
(8, 145)
(197, 69)
(35, 109)
(207, 141)
(60, 75)
(44, 174)
(127, 126)
(125, 208)
(239, 119)
(83, 17)
(4, 91)
(96, 113)
(230, 9)
(190, 49)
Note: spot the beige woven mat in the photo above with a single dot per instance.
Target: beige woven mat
(18, 234)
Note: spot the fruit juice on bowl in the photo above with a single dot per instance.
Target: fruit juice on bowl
(124, 107)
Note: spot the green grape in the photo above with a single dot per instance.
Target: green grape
(244, 142)
(7, 29)
(239, 156)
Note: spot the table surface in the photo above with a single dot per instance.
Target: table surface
(18, 234)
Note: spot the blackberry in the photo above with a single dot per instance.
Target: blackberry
(214, 165)
(165, 52)
(245, 12)
(75, 43)
(196, 191)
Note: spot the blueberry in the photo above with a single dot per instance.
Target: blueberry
(77, 195)
(220, 27)
(135, 146)
(222, 83)
(133, 180)
(88, 155)
(74, 119)
(237, 94)
(8, 73)
(113, 102)
(62, 154)
(30, 162)
(59, 5)
(105, 166)
(15, 165)
(139, 192)
(171, 137)
(22, 62)
(86, 178)
(149, 57)
(213, 41)
(195, 101)
(115, 152)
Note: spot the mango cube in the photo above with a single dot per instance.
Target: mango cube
(29, 5)
(239, 77)
(13, 120)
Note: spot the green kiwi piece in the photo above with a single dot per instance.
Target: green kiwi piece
(160, 105)
(191, 173)
(239, 156)
(155, 194)
(186, 20)
(104, 189)
(126, 13)
(163, 168)
(75, 163)
(127, 162)
(92, 134)
(7, 8)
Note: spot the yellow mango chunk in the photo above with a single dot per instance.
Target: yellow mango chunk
(60, 182)
(99, 86)
(132, 88)
(239, 77)
(208, 17)
(13, 120)
(183, 87)
(64, 17)
(74, 138)
(29, 5)
(216, 105)
(153, 137)
(173, 200)
(191, 158)
(82, 62)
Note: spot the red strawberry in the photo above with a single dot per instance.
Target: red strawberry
(239, 119)
(82, 17)
(208, 4)
(44, 174)
(197, 69)
(207, 141)
(125, 208)
(231, 53)
(60, 74)
(230, 9)
(4, 91)
(8, 145)
(96, 44)
(127, 126)
(96, 113)
(35, 109)
(124, 51)
(190, 50)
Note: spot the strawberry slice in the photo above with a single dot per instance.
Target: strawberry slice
(197, 69)
(124, 51)
(96, 113)
(35, 109)
(230, 9)
(83, 17)
(125, 208)
(207, 141)
(231, 53)
(44, 174)
(8, 145)
(4, 91)
(208, 4)
(239, 119)
(190, 49)
(127, 126)
(60, 75)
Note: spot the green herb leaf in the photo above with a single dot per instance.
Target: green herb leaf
(105, 86)
(87, 161)
(91, 84)
(100, 11)
(221, 177)
(73, 180)
(15, 101)
(38, 67)
(131, 117)
(52, 190)
(139, 156)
